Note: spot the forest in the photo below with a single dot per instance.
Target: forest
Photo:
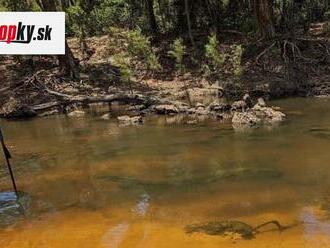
(261, 47)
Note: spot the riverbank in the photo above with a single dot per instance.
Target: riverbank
(33, 86)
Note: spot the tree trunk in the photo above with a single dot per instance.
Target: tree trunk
(47, 5)
(181, 19)
(187, 12)
(151, 16)
(68, 64)
(264, 15)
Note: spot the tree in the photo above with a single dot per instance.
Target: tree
(187, 12)
(68, 64)
(151, 16)
(264, 15)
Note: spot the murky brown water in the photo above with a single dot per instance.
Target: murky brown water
(94, 184)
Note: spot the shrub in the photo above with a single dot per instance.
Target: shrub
(216, 59)
(178, 52)
(79, 22)
(219, 63)
(139, 47)
(236, 60)
(123, 61)
(110, 13)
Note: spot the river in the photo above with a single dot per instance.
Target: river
(95, 184)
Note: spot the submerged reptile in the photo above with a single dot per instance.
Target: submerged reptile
(236, 227)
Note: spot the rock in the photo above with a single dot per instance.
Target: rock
(238, 105)
(166, 109)
(268, 114)
(261, 102)
(219, 107)
(258, 115)
(181, 106)
(202, 111)
(106, 116)
(14, 109)
(136, 107)
(245, 118)
(191, 111)
(183, 109)
(200, 105)
(247, 99)
(137, 120)
(127, 120)
(77, 113)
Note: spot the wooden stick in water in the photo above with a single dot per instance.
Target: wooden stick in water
(7, 155)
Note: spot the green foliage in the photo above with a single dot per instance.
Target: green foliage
(177, 52)
(215, 58)
(78, 19)
(123, 61)
(131, 50)
(227, 62)
(139, 47)
(14, 5)
(236, 60)
(111, 13)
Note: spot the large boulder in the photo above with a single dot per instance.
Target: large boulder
(268, 114)
(245, 118)
(260, 113)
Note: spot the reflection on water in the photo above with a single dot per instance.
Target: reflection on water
(94, 184)
(313, 225)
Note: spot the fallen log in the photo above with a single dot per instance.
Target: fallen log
(69, 99)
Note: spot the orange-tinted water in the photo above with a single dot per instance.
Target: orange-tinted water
(94, 184)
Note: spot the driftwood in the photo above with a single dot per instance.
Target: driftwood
(69, 99)
(62, 100)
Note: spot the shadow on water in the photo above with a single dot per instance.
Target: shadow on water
(218, 176)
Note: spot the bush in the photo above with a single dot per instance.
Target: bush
(178, 52)
(139, 47)
(236, 59)
(111, 13)
(216, 59)
(77, 20)
(15, 5)
(123, 61)
(219, 63)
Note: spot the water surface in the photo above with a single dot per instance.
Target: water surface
(94, 184)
